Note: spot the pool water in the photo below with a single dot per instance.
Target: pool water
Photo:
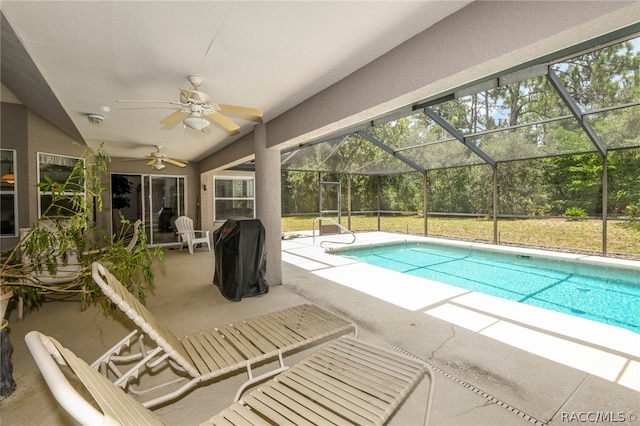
(604, 295)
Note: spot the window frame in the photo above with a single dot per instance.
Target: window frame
(39, 177)
(11, 192)
(233, 198)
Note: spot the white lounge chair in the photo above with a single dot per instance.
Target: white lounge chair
(129, 231)
(346, 382)
(189, 236)
(204, 356)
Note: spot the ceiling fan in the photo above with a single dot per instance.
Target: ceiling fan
(197, 111)
(157, 159)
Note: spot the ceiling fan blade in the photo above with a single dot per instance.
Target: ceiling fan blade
(247, 113)
(174, 116)
(175, 162)
(222, 121)
(151, 162)
(146, 101)
(195, 95)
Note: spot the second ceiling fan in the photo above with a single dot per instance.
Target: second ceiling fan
(196, 109)
(155, 160)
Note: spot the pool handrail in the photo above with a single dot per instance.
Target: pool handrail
(342, 228)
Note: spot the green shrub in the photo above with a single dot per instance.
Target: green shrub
(575, 212)
(632, 210)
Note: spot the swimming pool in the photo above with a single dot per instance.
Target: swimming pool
(609, 296)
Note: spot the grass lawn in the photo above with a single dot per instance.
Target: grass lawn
(623, 238)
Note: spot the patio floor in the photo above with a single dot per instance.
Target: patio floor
(481, 379)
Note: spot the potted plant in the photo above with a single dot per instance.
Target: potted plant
(55, 254)
(5, 296)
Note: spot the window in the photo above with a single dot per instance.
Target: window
(59, 169)
(8, 201)
(234, 198)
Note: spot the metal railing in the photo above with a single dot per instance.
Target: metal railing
(342, 228)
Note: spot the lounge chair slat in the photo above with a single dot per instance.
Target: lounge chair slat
(362, 376)
(344, 409)
(141, 316)
(318, 413)
(237, 414)
(264, 326)
(280, 405)
(264, 344)
(248, 415)
(296, 324)
(224, 349)
(210, 349)
(256, 400)
(340, 396)
(113, 402)
(244, 346)
(323, 319)
(204, 352)
(320, 322)
(395, 366)
(316, 321)
(279, 393)
(191, 346)
(284, 323)
(290, 321)
(217, 420)
(386, 378)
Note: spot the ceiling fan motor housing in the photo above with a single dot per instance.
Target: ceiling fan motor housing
(195, 80)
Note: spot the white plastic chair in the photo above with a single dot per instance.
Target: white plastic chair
(189, 236)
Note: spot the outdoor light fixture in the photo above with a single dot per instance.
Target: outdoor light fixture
(196, 121)
(9, 177)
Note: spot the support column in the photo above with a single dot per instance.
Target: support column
(425, 205)
(378, 200)
(605, 202)
(268, 207)
(349, 202)
(495, 204)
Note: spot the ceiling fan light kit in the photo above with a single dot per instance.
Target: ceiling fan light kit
(196, 122)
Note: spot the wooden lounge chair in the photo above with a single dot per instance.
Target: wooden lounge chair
(206, 355)
(346, 382)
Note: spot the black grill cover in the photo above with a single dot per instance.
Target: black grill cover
(241, 260)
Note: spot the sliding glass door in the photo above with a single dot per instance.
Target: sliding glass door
(164, 204)
(155, 199)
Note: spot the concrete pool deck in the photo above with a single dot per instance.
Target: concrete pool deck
(605, 351)
(480, 380)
